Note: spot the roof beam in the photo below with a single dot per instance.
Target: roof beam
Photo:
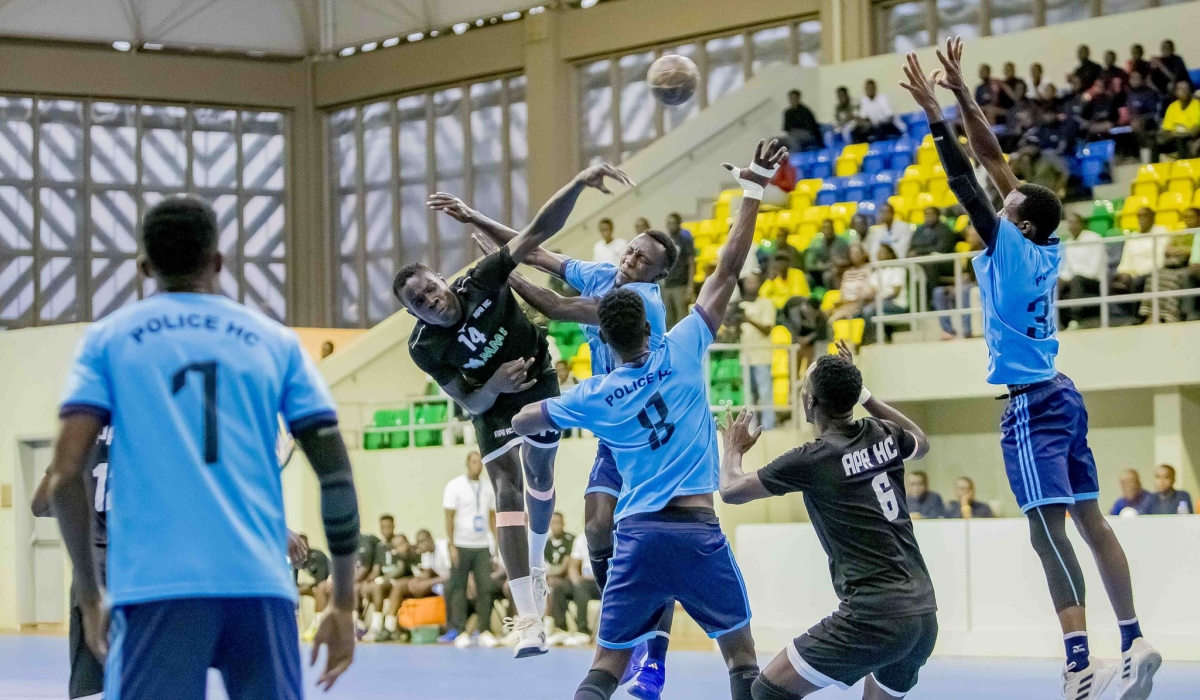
(181, 14)
(308, 12)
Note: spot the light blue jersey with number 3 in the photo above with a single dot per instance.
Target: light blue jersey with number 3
(1018, 280)
(194, 384)
(655, 418)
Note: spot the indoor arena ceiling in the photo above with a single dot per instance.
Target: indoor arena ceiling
(275, 27)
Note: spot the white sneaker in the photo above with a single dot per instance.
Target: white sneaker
(464, 641)
(487, 640)
(369, 637)
(1138, 667)
(531, 635)
(541, 589)
(577, 639)
(557, 639)
(1090, 683)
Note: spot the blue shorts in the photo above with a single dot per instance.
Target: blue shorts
(604, 477)
(163, 649)
(674, 554)
(1043, 434)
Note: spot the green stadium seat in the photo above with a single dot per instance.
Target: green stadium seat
(429, 414)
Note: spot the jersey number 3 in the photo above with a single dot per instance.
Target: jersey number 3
(1041, 308)
(661, 430)
(886, 495)
(207, 371)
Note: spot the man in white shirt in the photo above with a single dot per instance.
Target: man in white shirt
(584, 581)
(1140, 256)
(877, 121)
(470, 506)
(608, 249)
(890, 231)
(1083, 266)
(759, 314)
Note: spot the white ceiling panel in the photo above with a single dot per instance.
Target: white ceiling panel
(273, 26)
(356, 21)
(75, 20)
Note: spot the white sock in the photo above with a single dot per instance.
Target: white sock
(389, 623)
(522, 593)
(376, 621)
(387, 607)
(537, 549)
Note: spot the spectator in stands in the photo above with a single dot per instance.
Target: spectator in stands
(326, 349)
(856, 288)
(1168, 70)
(891, 289)
(1191, 221)
(1140, 257)
(826, 256)
(889, 231)
(803, 318)
(1180, 132)
(780, 246)
(1036, 72)
(758, 320)
(558, 562)
(1102, 112)
(390, 554)
(310, 581)
(1023, 114)
(1088, 71)
(585, 591)
(943, 300)
(987, 94)
(800, 125)
(934, 237)
(860, 226)
(1040, 167)
(640, 226)
(1010, 89)
(1143, 104)
(608, 249)
(677, 285)
(877, 120)
(783, 282)
(1138, 63)
(1079, 274)
(965, 505)
(368, 566)
(1134, 499)
(1112, 75)
(845, 114)
(566, 379)
(922, 503)
(1071, 102)
(470, 508)
(1167, 500)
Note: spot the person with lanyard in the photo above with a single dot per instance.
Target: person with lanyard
(470, 507)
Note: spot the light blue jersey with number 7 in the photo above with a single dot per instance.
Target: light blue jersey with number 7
(1018, 280)
(654, 416)
(194, 385)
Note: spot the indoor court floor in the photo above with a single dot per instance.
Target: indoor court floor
(35, 668)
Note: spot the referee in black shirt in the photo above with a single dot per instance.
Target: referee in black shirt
(852, 478)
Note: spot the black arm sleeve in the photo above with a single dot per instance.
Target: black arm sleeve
(339, 503)
(964, 184)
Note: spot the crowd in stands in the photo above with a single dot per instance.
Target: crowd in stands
(453, 584)
(1164, 500)
(924, 504)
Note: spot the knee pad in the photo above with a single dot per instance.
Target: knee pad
(764, 689)
(598, 685)
(741, 682)
(1048, 535)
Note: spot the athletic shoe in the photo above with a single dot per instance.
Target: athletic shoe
(577, 639)
(531, 635)
(1138, 667)
(448, 637)
(487, 640)
(1090, 683)
(370, 636)
(636, 659)
(557, 639)
(464, 641)
(648, 682)
(541, 589)
(384, 635)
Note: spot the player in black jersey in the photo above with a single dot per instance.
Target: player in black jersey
(87, 672)
(851, 477)
(478, 345)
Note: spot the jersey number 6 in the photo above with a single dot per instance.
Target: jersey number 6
(207, 370)
(886, 495)
(661, 430)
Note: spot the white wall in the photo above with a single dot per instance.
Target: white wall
(991, 592)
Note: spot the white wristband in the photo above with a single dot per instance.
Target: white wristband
(864, 396)
(752, 192)
(765, 172)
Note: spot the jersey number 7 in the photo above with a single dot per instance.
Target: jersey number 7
(208, 371)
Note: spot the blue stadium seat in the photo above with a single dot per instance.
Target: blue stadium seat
(822, 164)
(1095, 165)
(1194, 74)
(830, 192)
(950, 113)
(883, 185)
(854, 189)
(902, 154)
(877, 157)
(868, 209)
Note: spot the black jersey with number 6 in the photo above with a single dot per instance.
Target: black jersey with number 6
(853, 487)
(493, 330)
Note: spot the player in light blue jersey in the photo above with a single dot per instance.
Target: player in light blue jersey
(653, 413)
(197, 546)
(1044, 428)
(648, 259)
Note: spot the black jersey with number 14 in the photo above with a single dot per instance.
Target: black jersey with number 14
(853, 487)
(493, 329)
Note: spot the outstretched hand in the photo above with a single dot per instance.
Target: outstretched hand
(845, 352)
(451, 206)
(487, 245)
(737, 434)
(921, 87)
(767, 157)
(594, 177)
(952, 78)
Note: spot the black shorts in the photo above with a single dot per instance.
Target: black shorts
(493, 428)
(840, 650)
(87, 672)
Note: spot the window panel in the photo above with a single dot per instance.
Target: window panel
(16, 138)
(958, 18)
(674, 116)
(808, 37)
(114, 284)
(414, 128)
(164, 152)
(725, 71)
(60, 219)
(214, 148)
(1112, 7)
(16, 291)
(597, 108)
(770, 47)
(381, 303)
(637, 104)
(16, 220)
(904, 27)
(264, 288)
(1059, 11)
(114, 223)
(1010, 16)
(59, 297)
(60, 153)
(226, 207)
(377, 143)
(414, 226)
(344, 147)
(114, 143)
(518, 147)
(263, 150)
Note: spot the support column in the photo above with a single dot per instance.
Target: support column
(846, 30)
(309, 282)
(552, 104)
(1176, 419)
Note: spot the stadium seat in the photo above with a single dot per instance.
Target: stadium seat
(1150, 180)
(1127, 220)
(850, 330)
(1184, 174)
(912, 184)
(1096, 162)
(822, 165)
(877, 157)
(721, 207)
(1170, 208)
(857, 151)
(945, 199)
(830, 192)
(841, 213)
(786, 218)
(808, 187)
(883, 185)
(900, 205)
(429, 414)
(937, 185)
(845, 166)
(779, 359)
(855, 189)
(927, 155)
(581, 362)
(902, 154)
(868, 209)
(830, 300)
(1102, 216)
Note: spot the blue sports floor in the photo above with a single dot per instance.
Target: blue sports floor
(35, 668)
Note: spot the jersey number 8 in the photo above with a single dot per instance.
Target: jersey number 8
(661, 430)
(886, 495)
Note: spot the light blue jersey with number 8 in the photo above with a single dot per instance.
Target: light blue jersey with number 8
(1018, 280)
(194, 385)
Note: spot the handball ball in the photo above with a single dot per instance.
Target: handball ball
(673, 79)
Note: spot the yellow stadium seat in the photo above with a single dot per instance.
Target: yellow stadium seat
(843, 211)
(800, 201)
(721, 208)
(946, 199)
(928, 140)
(923, 200)
(766, 220)
(816, 214)
(899, 205)
(809, 187)
(961, 223)
(916, 172)
(1184, 174)
(857, 151)
(1172, 201)
(581, 363)
(850, 330)
(962, 247)
(937, 185)
(786, 218)
(779, 358)
(831, 299)
(916, 217)
(909, 187)
(1150, 180)
(781, 391)
(1168, 218)
(927, 155)
(1135, 202)
(806, 231)
(844, 166)
(1196, 199)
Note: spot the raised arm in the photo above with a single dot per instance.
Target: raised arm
(959, 173)
(718, 288)
(736, 485)
(549, 303)
(882, 411)
(553, 214)
(494, 231)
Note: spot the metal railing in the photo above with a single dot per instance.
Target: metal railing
(918, 284)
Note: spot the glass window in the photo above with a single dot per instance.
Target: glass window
(85, 215)
(958, 18)
(597, 92)
(518, 147)
(637, 104)
(725, 69)
(771, 47)
(1010, 16)
(808, 38)
(1059, 11)
(904, 27)
(1112, 7)
(674, 116)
